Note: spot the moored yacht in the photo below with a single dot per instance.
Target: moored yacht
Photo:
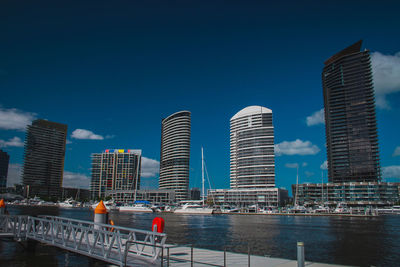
(192, 208)
(138, 206)
(68, 203)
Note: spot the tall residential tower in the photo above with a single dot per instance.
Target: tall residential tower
(4, 160)
(175, 154)
(351, 129)
(252, 149)
(44, 158)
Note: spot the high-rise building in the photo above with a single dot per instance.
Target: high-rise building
(252, 149)
(252, 162)
(114, 171)
(351, 129)
(44, 158)
(4, 160)
(175, 154)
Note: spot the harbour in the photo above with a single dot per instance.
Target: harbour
(339, 240)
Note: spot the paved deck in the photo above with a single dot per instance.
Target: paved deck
(181, 256)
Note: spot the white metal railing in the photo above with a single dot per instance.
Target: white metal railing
(105, 242)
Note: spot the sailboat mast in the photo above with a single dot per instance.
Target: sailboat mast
(297, 187)
(202, 174)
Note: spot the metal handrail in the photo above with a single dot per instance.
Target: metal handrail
(82, 237)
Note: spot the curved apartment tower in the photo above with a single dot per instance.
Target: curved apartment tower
(175, 154)
(252, 162)
(350, 121)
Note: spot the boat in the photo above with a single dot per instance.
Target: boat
(68, 203)
(193, 207)
(321, 209)
(109, 204)
(341, 208)
(137, 206)
(389, 210)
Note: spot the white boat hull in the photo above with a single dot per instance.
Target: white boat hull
(134, 209)
(194, 211)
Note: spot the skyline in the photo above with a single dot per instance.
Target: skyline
(113, 72)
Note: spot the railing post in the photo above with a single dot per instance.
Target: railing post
(300, 254)
(248, 255)
(162, 256)
(191, 256)
(167, 256)
(224, 256)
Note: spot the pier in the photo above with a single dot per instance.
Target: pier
(126, 246)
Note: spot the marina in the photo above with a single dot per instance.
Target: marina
(337, 240)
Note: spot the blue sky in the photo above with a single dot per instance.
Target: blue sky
(116, 68)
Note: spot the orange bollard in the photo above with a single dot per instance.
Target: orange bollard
(100, 214)
(2, 207)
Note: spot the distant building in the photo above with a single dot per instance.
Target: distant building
(4, 160)
(76, 193)
(350, 120)
(195, 193)
(252, 161)
(156, 196)
(44, 158)
(267, 197)
(115, 170)
(353, 193)
(175, 154)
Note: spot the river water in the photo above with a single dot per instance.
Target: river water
(339, 240)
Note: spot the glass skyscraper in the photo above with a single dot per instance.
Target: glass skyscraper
(175, 154)
(44, 158)
(4, 160)
(252, 159)
(351, 129)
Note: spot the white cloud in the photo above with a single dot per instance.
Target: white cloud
(324, 165)
(309, 174)
(14, 119)
(110, 136)
(86, 134)
(297, 147)
(391, 172)
(14, 175)
(76, 180)
(15, 141)
(68, 142)
(304, 164)
(396, 151)
(386, 74)
(318, 117)
(292, 165)
(150, 167)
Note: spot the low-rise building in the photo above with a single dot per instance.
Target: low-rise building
(352, 193)
(160, 196)
(266, 197)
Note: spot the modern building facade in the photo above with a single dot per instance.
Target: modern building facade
(252, 162)
(159, 196)
(266, 197)
(350, 121)
(4, 161)
(115, 170)
(252, 158)
(353, 193)
(44, 158)
(175, 154)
